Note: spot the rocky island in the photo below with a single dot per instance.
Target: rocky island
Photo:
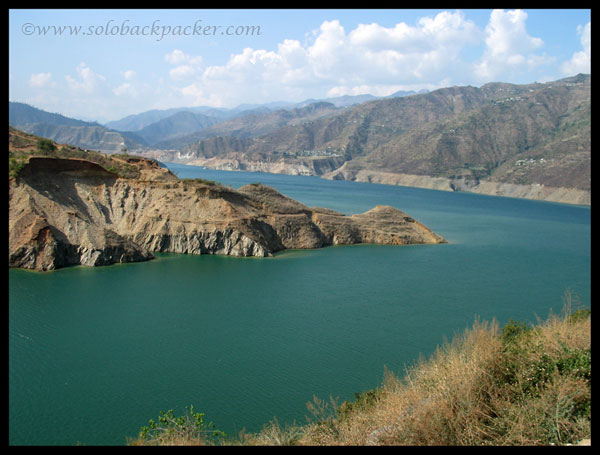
(68, 209)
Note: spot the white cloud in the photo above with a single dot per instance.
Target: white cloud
(39, 79)
(130, 87)
(507, 34)
(444, 31)
(125, 89)
(175, 57)
(199, 97)
(435, 51)
(187, 65)
(371, 56)
(377, 90)
(129, 74)
(87, 81)
(509, 47)
(581, 62)
(182, 72)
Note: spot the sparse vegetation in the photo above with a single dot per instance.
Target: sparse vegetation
(433, 134)
(23, 145)
(520, 385)
(14, 166)
(188, 429)
(202, 181)
(45, 146)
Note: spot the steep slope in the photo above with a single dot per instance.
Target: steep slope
(253, 123)
(478, 141)
(529, 140)
(179, 124)
(21, 114)
(65, 211)
(355, 130)
(66, 130)
(534, 142)
(136, 122)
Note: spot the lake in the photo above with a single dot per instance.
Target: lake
(94, 353)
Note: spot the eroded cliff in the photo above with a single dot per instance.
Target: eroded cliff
(72, 211)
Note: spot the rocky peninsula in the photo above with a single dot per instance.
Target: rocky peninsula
(71, 211)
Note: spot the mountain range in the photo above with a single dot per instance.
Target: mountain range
(529, 140)
(137, 122)
(168, 128)
(65, 130)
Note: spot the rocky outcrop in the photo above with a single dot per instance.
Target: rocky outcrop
(71, 211)
(326, 168)
(289, 166)
(533, 191)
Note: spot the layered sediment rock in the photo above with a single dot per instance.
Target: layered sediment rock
(71, 211)
(533, 191)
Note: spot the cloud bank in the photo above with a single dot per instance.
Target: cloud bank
(438, 51)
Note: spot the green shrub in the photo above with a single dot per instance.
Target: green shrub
(513, 330)
(576, 362)
(15, 166)
(363, 401)
(189, 428)
(523, 385)
(45, 146)
(579, 315)
(202, 181)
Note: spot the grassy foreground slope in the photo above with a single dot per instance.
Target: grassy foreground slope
(516, 385)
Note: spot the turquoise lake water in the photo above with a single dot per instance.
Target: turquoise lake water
(94, 353)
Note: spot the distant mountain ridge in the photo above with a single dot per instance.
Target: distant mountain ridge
(254, 123)
(65, 130)
(21, 114)
(169, 128)
(136, 122)
(180, 123)
(528, 140)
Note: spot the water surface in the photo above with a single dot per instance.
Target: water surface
(96, 352)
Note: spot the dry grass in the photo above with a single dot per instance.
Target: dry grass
(483, 388)
(167, 441)
(273, 434)
(436, 403)
(519, 385)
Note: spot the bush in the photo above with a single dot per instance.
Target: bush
(513, 330)
(579, 315)
(188, 429)
(201, 181)
(519, 386)
(45, 146)
(15, 166)
(576, 362)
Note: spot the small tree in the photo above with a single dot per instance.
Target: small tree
(45, 146)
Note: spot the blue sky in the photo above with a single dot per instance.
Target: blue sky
(106, 64)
